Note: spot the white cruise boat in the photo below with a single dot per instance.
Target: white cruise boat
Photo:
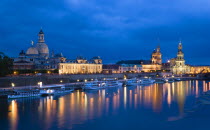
(94, 85)
(146, 81)
(53, 91)
(46, 92)
(131, 82)
(23, 94)
(113, 83)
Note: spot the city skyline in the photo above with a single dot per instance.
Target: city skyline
(108, 29)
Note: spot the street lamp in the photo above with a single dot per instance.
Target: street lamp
(13, 85)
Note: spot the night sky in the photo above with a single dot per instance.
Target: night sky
(112, 29)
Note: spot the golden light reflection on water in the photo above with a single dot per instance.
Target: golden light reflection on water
(13, 115)
(78, 107)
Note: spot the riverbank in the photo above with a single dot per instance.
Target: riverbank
(20, 81)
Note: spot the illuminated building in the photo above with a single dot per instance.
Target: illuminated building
(199, 69)
(37, 56)
(151, 67)
(156, 57)
(155, 63)
(130, 68)
(178, 64)
(81, 66)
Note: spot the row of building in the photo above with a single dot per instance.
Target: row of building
(38, 57)
(175, 65)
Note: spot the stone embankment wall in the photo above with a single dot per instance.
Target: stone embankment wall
(57, 79)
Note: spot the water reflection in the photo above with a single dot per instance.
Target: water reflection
(78, 107)
(13, 115)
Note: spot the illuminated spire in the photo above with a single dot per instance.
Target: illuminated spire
(180, 46)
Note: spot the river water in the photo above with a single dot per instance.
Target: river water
(159, 106)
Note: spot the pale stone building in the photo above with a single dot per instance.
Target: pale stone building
(177, 64)
(81, 66)
(130, 68)
(151, 67)
(156, 62)
(199, 69)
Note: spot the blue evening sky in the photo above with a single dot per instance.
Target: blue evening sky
(112, 29)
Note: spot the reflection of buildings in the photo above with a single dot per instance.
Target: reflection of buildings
(78, 107)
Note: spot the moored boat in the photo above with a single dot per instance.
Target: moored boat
(131, 82)
(94, 85)
(113, 83)
(146, 81)
(23, 94)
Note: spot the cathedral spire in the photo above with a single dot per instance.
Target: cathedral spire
(180, 46)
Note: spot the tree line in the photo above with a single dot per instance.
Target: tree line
(5, 65)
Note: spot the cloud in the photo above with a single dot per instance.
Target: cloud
(113, 29)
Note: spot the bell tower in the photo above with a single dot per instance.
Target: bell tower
(180, 56)
(156, 56)
(41, 36)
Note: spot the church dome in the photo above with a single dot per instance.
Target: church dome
(32, 51)
(43, 49)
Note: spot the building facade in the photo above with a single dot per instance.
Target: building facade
(199, 69)
(132, 68)
(111, 68)
(81, 66)
(151, 67)
(177, 64)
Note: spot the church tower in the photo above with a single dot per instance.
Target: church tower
(156, 57)
(180, 56)
(41, 36)
(41, 46)
(179, 66)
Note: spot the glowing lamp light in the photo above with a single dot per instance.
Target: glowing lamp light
(40, 84)
(78, 80)
(85, 80)
(13, 84)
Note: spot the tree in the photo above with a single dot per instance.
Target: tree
(6, 64)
